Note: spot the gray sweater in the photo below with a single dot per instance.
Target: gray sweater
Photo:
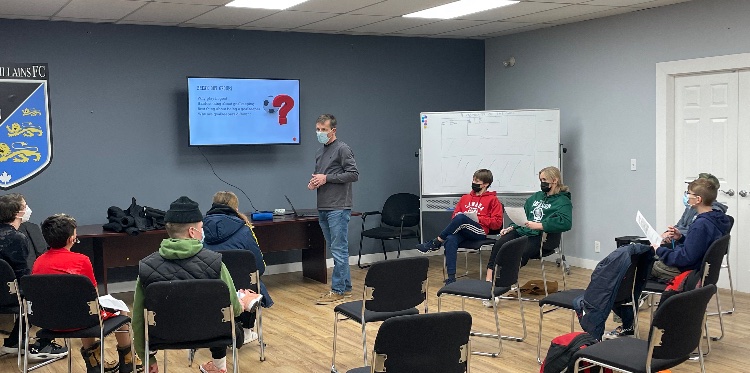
(336, 161)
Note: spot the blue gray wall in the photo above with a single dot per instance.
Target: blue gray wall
(119, 112)
(601, 75)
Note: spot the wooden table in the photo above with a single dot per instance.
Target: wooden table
(112, 249)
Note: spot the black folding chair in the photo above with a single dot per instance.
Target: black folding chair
(245, 275)
(552, 244)
(400, 213)
(392, 288)
(729, 272)
(476, 247)
(66, 306)
(400, 344)
(10, 299)
(210, 322)
(675, 333)
(507, 266)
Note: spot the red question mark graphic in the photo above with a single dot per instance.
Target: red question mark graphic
(285, 104)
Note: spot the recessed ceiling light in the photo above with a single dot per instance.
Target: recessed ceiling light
(265, 4)
(460, 8)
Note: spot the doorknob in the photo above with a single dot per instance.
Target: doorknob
(729, 192)
(743, 193)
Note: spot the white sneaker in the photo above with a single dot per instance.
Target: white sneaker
(488, 303)
(250, 336)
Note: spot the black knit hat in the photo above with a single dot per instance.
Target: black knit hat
(183, 210)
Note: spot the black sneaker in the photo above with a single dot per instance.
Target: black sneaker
(449, 280)
(431, 245)
(619, 332)
(51, 350)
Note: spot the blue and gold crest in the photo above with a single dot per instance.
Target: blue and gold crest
(25, 136)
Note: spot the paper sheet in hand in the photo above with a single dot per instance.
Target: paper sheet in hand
(517, 214)
(108, 301)
(653, 236)
(472, 216)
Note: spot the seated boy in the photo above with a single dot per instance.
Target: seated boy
(475, 215)
(689, 249)
(60, 233)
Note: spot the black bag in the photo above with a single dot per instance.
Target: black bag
(561, 350)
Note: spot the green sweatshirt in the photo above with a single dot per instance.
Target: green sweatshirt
(555, 212)
(174, 249)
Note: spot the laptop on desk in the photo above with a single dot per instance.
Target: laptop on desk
(302, 213)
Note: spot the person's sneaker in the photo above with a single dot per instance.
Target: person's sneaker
(209, 367)
(11, 350)
(347, 294)
(330, 297)
(488, 303)
(449, 280)
(619, 332)
(51, 350)
(250, 336)
(431, 245)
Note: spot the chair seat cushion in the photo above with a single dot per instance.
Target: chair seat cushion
(654, 286)
(473, 288)
(109, 326)
(359, 370)
(353, 310)
(216, 342)
(562, 299)
(476, 244)
(387, 233)
(628, 354)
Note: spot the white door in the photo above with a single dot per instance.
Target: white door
(741, 231)
(708, 118)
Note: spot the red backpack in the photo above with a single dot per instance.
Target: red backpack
(561, 350)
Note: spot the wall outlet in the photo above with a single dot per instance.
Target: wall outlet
(632, 164)
(597, 246)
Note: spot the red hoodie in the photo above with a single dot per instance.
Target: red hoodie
(487, 206)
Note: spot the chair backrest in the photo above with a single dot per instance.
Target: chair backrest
(731, 223)
(399, 204)
(60, 302)
(713, 258)
(187, 311)
(431, 342)
(508, 262)
(9, 295)
(242, 267)
(678, 323)
(395, 285)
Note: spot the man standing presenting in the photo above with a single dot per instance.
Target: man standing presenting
(335, 171)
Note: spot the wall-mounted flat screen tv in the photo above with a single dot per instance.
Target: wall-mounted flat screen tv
(234, 111)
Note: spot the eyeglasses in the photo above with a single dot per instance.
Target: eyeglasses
(687, 193)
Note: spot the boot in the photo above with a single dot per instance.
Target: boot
(92, 358)
(126, 360)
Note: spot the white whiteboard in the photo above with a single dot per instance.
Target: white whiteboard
(513, 144)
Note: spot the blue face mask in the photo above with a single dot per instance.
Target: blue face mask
(685, 200)
(322, 137)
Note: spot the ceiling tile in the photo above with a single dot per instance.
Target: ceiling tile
(344, 22)
(194, 2)
(567, 2)
(225, 16)
(99, 9)
(616, 2)
(18, 16)
(290, 19)
(510, 11)
(401, 7)
(146, 23)
(559, 13)
(486, 28)
(657, 3)
(333, 6)
(31, 8)
(519, 30)
(586, 17)
(440, 27)
(167, 13)
(394, 25)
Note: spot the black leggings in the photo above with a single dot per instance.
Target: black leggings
(239, 337)
(531, 251)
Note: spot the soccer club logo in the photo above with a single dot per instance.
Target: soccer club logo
(25, 139)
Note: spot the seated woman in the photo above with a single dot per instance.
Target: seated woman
(548, 210)
(226, 228)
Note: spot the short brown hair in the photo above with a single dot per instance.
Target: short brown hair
(484, 175)
(327, 117)
(57, 228)
(178, 230)
(10, 206)
(705, 189)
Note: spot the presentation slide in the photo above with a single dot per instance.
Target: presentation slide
(224, 111)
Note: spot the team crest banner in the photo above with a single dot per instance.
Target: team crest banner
(25, 136)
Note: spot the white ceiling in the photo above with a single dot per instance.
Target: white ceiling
(354, 17)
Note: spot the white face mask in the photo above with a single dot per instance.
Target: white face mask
(26, 214)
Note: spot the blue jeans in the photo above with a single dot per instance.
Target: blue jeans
(460, 229)
(335, 227)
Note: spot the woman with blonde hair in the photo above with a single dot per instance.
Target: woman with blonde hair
(548, 210)
(226, 228)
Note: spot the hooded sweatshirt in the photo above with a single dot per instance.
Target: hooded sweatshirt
(555, 212)
(172, 249)
(488, 208)
(689, 215)
(225, 230)
(689, 250)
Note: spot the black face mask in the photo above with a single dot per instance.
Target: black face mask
(545, 187)
(476, 187)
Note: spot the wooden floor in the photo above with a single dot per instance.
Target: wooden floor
(299, 333)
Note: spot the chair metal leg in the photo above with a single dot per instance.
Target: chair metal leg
(335, 334)
(539, 336)
(364, 342)
(382, 244)
(165, 361)
(399, 250)
(731, 290)
(260, 334)
(721, 319)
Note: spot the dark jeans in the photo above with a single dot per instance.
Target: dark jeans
(531, 251)
(460, 229)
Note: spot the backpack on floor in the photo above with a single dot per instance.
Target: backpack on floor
(561, 350)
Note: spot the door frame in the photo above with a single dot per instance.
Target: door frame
(665, 115)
